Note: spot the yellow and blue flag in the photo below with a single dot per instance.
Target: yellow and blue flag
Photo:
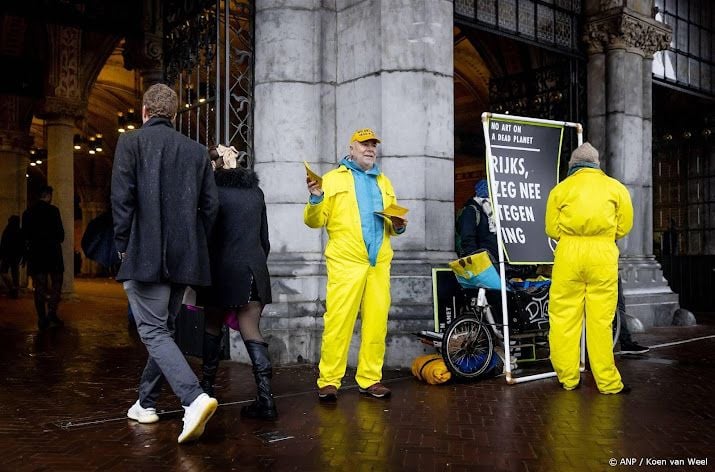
(476, 271)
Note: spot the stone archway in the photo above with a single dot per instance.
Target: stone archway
(499, 74)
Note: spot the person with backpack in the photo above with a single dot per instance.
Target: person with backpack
(476, 226)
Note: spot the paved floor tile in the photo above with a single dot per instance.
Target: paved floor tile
(65, 393)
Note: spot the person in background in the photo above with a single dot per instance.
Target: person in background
(164, 204)
(241, 284)
(669, 241)
(357, 257)
(476, 230)
(586, 213)
(43, 232)
(12, 250)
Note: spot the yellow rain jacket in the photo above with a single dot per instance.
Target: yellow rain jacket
(431, 368)
(586, 214)
(353, 284)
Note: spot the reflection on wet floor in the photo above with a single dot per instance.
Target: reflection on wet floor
(65, 393)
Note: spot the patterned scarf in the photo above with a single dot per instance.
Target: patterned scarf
(487, 207)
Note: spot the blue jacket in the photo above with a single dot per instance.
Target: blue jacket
(369, 200)
(343, 202)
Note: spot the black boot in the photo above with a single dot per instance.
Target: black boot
(211, 358)
(263, 407)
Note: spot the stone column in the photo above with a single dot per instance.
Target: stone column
(621, 42)
(294, 121)
(647, 210)
(62, 105)
(321, 73)
(395, 74)
(60, 176)
(15, 118)
(14, 152)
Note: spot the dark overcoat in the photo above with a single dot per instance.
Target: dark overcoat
(164, 203)
(43, 232)
(239, 244)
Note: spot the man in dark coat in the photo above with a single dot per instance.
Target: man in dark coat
(164, 203)
(43, 232)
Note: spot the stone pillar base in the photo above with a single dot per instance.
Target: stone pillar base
(648, 296)
(293, 327)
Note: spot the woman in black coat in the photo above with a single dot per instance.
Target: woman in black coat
(238, 251)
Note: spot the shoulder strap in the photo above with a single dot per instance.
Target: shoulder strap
(477, 213)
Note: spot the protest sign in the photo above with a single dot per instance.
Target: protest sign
(523, 157)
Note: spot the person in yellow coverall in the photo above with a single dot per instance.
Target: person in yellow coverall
(358, 257)
(586, 214)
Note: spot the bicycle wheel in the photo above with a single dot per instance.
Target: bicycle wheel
(467, 347)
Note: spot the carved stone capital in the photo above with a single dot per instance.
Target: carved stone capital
(64, 80)
(55, 107)
(14, 112)
(15, 141)
(621, 28)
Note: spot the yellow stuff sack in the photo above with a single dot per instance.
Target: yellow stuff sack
(430, 368)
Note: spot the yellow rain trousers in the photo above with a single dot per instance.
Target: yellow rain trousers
(586, 214)
(353, 284)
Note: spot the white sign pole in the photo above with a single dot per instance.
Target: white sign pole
(495, 204)
(500, 247)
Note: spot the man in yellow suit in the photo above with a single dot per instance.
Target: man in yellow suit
(586, 214)
(358, 257)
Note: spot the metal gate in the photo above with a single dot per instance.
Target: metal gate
(551, 24)
(208, 58)
(556, 92)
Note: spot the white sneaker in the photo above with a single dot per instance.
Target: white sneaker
(142, 415)
(196, 416)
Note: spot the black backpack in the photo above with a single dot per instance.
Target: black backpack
(457, 219)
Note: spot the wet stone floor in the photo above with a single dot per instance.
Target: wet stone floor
(64, 395)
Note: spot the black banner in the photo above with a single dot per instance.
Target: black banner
(525, 163)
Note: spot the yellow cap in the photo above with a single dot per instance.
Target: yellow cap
(364, 134)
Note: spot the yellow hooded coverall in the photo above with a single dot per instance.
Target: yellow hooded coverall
(586, 214)
(353, 284)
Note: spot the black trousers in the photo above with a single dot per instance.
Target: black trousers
(14, 269)
(625, 335)
(47, 298)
